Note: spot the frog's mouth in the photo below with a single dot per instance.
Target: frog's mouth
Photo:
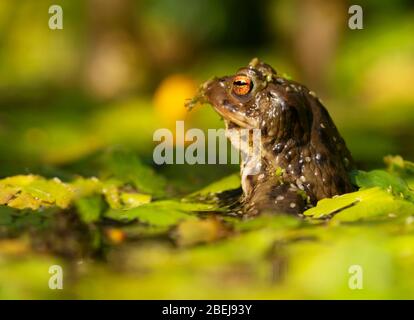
(235, 118)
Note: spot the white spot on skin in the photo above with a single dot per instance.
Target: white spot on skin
(299, 184)
(292, 205)
(307, 159)
(280, 198)
(346, 162)
(293, 188)
(322, 126)
(303, 178)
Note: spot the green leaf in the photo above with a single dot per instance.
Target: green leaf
(128, 168)
(33, 192)
(85, 187)
(133, 200)
(90, 208)
(386, 181)
(396, 165)
(227, 183)
(160, 213)
(364, 204)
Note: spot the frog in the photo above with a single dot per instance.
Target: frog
(302, 158)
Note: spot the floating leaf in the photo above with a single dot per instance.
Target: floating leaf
(112, 197)
(227, 183)
(386, 181)
(128, 168)
(90, 208)
(160, 213)
(33, 192)
(363, 204)
(396, 165)
(133, 200)
(84, 187)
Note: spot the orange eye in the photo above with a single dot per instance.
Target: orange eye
(242, 85)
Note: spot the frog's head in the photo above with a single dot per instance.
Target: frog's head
(234, 97)
(257, 98)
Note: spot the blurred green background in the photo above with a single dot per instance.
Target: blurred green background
(121, 69)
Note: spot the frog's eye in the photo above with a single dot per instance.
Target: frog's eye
(242, 85)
